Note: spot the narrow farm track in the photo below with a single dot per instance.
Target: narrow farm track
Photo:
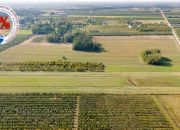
(173, 30)
(172, 117)
(76, 115)
(29, 41)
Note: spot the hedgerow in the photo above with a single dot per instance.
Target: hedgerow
(63, 66)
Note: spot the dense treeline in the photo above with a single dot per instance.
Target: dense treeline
(82, 41)
(58, 34)
(42, 29)
(62, 66)
(55, 32)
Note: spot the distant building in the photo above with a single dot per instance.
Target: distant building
(57, 12)
(129, 26)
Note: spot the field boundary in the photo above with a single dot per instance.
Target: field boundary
(173, 31)
(165, 105)
(14, 42)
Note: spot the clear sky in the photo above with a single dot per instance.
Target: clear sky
(33, 1)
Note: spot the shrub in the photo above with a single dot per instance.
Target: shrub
(54, 39)
(152, 56)
(69, 37)
(84, 42)
(58, 35)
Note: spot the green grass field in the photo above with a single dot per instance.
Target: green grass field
(29, 32)
(157, 81)
(104, 82)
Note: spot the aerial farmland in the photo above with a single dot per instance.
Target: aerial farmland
(92, 68)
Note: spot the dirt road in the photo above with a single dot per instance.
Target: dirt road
(173, 30)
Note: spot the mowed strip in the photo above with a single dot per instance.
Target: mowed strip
(117, 83)
(168, 81)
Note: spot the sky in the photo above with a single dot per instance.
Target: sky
(35, 1)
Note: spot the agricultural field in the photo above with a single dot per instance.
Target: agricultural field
(115, 12)
(122, 53)
(174, 21)
(171, 81)
(119, 25)
(178, 31)
(171, 104)
(128, 95)
(82, 111)
(90, 82)
(172, 14)
(174, 18)
(22, 35)
(37, 111)
(120, 112)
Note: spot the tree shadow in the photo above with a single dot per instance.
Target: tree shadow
(166, 59)
(165, 62)
(101, 49)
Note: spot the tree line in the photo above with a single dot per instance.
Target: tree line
(81, 40)
(61, 65)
